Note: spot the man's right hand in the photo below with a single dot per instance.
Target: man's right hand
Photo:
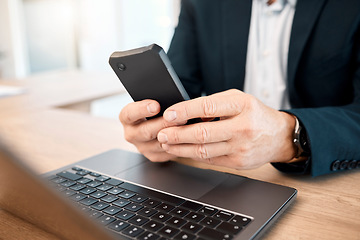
(143, 133)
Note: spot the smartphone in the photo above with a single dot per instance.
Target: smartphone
(146, 73)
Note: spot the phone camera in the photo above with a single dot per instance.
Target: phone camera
(121, 67)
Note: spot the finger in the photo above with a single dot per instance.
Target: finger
(151, 146)
(135, 111)
(159, 157)
(208, 132)
(221, 104)
(198, 151)
(148, 130)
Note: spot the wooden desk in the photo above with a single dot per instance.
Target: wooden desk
(44, 127)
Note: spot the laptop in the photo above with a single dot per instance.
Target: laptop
(122, 195)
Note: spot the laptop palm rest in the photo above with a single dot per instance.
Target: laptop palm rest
(174, 178)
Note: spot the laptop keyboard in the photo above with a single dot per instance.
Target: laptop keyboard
(142, 213)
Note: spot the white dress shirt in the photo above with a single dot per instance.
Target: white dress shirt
(267, 54)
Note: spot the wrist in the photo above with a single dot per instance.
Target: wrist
(289, 149)
(300, 142)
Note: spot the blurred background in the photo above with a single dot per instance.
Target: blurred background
(38, 36)
(45, 35)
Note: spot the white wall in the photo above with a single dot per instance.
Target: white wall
(50, 34)
(45, 35)
(13, 55)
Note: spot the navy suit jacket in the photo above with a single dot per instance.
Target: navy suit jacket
(208, 51)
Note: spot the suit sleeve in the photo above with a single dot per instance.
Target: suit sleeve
(333, 132)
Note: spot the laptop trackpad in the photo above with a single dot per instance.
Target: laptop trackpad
(174, 178)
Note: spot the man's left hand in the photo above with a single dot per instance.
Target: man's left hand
(248, 134)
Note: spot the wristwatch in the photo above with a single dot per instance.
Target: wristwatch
(300, 140)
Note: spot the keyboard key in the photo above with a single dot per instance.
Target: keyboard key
(95, 214)
(85, 209)
(100, 206)
(151, 203)
(104, 187)
(77, 169)
(51, 177)
(105, 220)
(209, 233)
(153, 225)
(180, 212)
(77, 197)
(69, 193)
(209, 211)
(148, 236)
(58, 180)
(147, 212)
(102, 178)
(84, 180)
(68, 184)
(77, 187)
(138, 220)
(94, 184)
(191, 205)
(195, 217)
(69, 175)
(88, 191)
(184, 236)
(191, 227)
(125, 215)
(243, 221)
(210, 222)
(114, 182)
(165, 207)
(118, 225)
(224, 216)
(169, 232)
(229, 228)
(115, 191)
(132, 231)
(121, 203)
(161, 217)
(176, 222)
(94, 174)
(82, 173)
(88, 201)
(134, 207)
(109, 198)
(112, 210)
(98, 194)
(151, 193)
(138, 198)
(126, 194)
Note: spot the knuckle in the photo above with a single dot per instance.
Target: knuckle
(129, 135)
(201, 151)
(209, 107)
(124, 117)
(146, 133)
(201, 134)
(175, 137)
(209, 161)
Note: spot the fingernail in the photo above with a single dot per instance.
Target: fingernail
(152, 108)
(165, 147)
(170, 116)
(162, 137)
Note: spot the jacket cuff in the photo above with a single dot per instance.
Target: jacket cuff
(303, 167)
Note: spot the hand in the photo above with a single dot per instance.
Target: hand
(248, 134)
(141, 132)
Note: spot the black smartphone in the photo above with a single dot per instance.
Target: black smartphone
(146, 73)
